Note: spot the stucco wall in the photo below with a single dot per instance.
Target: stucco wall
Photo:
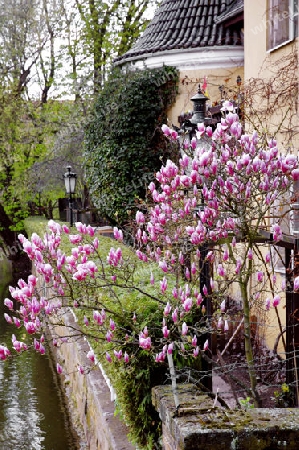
(188, 86)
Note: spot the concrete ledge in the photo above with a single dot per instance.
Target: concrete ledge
(197, 424)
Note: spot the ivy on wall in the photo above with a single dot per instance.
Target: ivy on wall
(124, 145)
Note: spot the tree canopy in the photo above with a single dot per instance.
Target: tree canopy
(54, 56)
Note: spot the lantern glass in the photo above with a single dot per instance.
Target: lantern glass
(70, 181)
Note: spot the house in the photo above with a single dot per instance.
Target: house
(201, 38)
(271, 76)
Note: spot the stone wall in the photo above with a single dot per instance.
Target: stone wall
(200, 425)
(89, 396)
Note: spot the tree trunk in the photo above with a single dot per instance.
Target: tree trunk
(6, 233)
(248, 346)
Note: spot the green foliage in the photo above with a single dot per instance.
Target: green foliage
(285, 397)
(246, 403)
(133, 384)
(124, 142)
(32, 166)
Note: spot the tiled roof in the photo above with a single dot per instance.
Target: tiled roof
(185, 24)
(236, 8)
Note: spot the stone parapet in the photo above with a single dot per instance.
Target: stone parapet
(200, 425)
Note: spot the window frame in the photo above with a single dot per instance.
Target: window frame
(291, 10)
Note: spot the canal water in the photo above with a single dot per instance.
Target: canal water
(33, 415)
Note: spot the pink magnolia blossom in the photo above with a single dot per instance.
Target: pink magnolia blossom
(193, 268)
(175, 315)
(199, 299)
(260, 276)
(118, 234)
(118, 354)
(227, 106)
(17, 322)
(165, 332)
(170, 348)
(109, 336)
(81, 369)
(276, 301)
(184, 329)
(194, 341)
(86, 321)
(166, 130)
(206, 345)
(140, 218)
(223, 306)
(196, 352)
(90, 355)
(145, 342)
(163, 285)
(225, 255)
(112, 325)
(187, 273)
(98, 317)
(238, 266)
(160, 357)
(31, 328)
(187, 305)
(277, 232)
(167, 309)
(163, 266)
(75, 238)
(8, 318)
(221, 270)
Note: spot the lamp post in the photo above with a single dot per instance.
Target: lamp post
(70, 186)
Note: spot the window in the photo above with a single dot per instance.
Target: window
(282, 22)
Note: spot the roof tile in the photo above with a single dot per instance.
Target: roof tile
(188, 24)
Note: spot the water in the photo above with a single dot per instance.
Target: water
(32, 410)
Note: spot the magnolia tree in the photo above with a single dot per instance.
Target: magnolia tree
(200, 239)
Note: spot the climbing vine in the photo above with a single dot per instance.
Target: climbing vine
(124, 145)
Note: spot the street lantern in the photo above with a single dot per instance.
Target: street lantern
(70, 187)
(199, 108)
